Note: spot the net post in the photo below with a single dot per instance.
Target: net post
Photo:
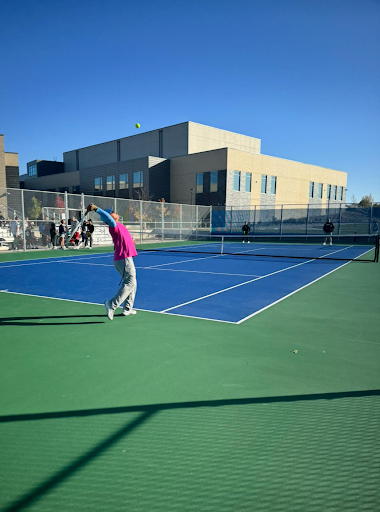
(141, 218)
(23, 220)
(221, 249)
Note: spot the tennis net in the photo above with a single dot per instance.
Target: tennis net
(343, 247)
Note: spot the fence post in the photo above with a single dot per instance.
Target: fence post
(180, 221)
(370, 220)
(210, 219)
(162, 222)
(254, 220)
(307, 218)
(66, 208)
(282, 209)
(231, 219)
(141, 222)
(114, 205)
(340, 218)
(196, 219)
(23, 219)
(83, 207)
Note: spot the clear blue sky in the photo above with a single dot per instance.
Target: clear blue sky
(301, 75)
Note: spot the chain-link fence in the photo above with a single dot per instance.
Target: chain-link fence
(289, 219)
(30, 219)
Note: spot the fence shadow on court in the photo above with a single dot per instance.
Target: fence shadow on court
(146, 412)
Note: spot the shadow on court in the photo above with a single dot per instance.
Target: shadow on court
(26, 320)
(148, 412)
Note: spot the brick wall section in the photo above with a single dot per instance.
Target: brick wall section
(234, 198)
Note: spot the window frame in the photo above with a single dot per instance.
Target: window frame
(248, 180)
(213, 184)
(199, 183)
(237, 181)
(273, 181)
(328, 192)
(140, 183)
(100, 185)
(125, 181)
(264, 180)
(112, 182)
(311, 189)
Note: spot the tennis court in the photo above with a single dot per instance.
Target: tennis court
(243, 383)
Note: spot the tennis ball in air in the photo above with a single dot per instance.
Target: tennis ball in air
(137, 125)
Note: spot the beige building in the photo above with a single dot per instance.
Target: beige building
(191, 163)
(9, 177)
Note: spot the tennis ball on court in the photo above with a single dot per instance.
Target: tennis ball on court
(137, 125)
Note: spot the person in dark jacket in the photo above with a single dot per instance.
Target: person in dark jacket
(53, 233)
(246, 229)
(89, 233)
(328, 228)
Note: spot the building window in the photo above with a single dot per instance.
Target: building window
(214, 181)
(334, 192)
(118, 150)
(248, 181)
(200, 183)
(273, 185)
(110, 182)
(264, 184)
(123, 181)
(77, 159)
(98, 184)
(32, 170)
(311, 189)
(328, 192)
(340, 196)
(320, 189)
(138, 179)
(236, 181)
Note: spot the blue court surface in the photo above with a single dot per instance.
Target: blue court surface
(214, 287)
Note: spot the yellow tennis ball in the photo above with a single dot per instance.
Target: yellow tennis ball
(137, 125)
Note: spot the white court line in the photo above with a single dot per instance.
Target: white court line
(186, 261)
(295, 291)
(55, 260)
(165, 269)
(98, 304)
(242, 284)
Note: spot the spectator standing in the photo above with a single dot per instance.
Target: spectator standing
(328, 228)
(53, 233)
(62, 231)
(89, 233)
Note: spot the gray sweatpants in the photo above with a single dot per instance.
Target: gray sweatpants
(127, 290)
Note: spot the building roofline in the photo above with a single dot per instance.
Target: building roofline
(127, 137)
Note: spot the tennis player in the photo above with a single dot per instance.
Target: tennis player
(246, 229)
(328, 228)
(125, 251)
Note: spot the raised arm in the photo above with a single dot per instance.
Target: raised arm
(104, 216)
